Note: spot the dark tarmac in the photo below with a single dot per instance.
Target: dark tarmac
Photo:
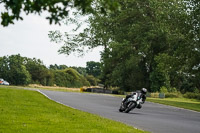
(153, 117)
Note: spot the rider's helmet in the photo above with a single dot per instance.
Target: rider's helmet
(144, 90)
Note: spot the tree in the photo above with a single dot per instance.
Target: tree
(59, 67)
(146, 44)
(93, 68)
(4, 67)
(91, 79)
(54, 67)
(69, 77)
(14, 70)
(80, 70)
(94, 36)
(39, 73)
(57, 9)
(156, 38)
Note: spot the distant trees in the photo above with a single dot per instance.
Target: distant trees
(57, 67)
(39, 73)
(93, 68)
(92, 80)
(22, 71)
(69, 77)
(13, 69)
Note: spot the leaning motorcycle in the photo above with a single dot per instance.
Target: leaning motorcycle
(131, 103)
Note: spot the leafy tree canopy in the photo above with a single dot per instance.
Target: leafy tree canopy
(93, 68)
(149, 43)
(57, 9)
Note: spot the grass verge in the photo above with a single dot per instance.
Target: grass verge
(65, 89)
(191, 104)
(25, 111)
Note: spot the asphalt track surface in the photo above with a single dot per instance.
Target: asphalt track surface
(153, 117)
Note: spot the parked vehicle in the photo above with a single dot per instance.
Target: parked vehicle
(3, 82)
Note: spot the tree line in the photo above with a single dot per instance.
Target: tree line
(18, 70)
(152, 43)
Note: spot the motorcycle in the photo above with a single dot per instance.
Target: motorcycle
(131, 103)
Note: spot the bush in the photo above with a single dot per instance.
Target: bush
(196, 90)
(163, 89)
(154, 95)
(171, 95)
(92, 80)
(69, 78)
(172, 89)
(191, 95)
(167, 95)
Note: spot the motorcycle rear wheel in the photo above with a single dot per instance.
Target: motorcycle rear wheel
(120, 110)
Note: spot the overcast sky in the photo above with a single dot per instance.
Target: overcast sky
(29, 38)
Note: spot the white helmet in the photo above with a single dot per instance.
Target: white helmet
(144, 90)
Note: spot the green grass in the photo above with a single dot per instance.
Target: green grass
(26, 111)
(191, 104)
(65, 89)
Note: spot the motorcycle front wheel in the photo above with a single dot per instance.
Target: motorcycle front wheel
(130, 106)
(121, 109)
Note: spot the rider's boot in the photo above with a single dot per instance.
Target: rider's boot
(139, 106)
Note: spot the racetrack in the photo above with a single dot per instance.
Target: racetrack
(152, 117)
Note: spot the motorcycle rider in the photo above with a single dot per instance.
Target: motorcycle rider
(142, 94)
